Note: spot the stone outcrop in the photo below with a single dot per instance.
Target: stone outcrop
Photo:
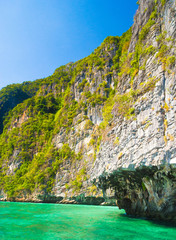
(144, 192)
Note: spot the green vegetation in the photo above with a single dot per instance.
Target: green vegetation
(163, 54)
(76, 184)
(148, 25)
(122, 53)
(163, 2)
(116, 141)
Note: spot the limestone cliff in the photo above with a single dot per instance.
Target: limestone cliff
(102, 128)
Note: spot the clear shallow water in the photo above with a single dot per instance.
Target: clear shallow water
(51, 221)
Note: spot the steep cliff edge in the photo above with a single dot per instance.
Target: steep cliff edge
(102, 128)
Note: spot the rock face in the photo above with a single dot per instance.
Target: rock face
(144, 192)
(102, 129)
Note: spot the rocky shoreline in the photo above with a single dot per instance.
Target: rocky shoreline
(60, 200)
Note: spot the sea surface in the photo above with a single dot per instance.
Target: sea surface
(53, 221)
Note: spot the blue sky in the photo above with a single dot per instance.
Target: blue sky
(37, 36)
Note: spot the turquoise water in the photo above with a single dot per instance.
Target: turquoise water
(51, 221)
